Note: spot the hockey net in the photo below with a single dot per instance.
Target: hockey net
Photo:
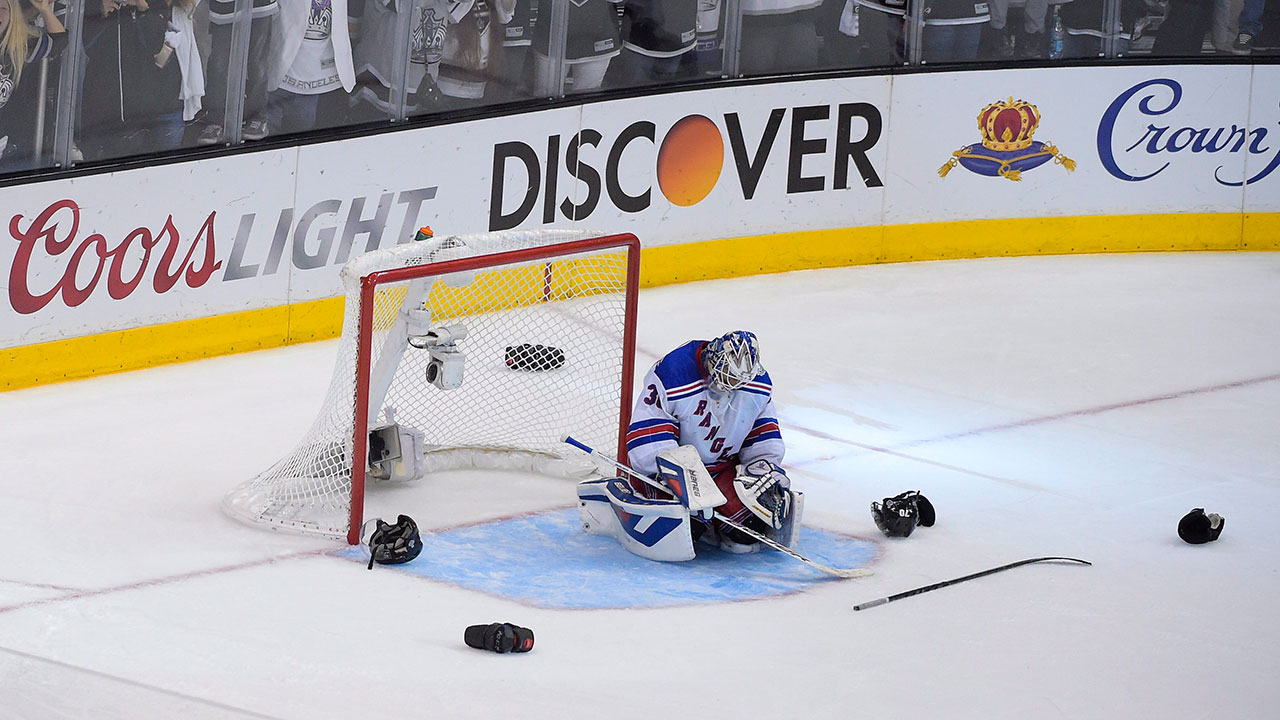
(547, 326)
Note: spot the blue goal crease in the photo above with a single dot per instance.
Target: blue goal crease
(546, 560)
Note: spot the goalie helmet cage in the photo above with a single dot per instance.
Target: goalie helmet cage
(572, 290)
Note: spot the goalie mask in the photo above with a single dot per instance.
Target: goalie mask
(732, 360)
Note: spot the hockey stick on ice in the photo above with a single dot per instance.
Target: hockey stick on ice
(944, 583)
(838, 572)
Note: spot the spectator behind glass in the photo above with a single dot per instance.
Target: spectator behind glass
(131, 87)
(657, 35)
(21, 47)
(1083, 20)
(180, 47)
(840, 27)
(1250, 26)
(311, 66)
(375, 53)
(1226, 26)
(778, 36)
(708, 52)
(1184, 28)
(1267, 41)
(221, 18)
(880, 24)
(952, 30)
(473, 53)
(594, 39)
(1027, 39)
(516, 80)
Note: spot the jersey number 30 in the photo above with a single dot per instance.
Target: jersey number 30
(652, 397)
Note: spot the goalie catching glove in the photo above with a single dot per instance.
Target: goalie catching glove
(899, 515)
(765, 490)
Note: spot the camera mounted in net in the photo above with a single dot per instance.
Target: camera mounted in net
(444, 369)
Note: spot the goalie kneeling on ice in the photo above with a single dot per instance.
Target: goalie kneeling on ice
(662, 529)
(527, 356)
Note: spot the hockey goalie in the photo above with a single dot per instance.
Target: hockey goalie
(703, 427)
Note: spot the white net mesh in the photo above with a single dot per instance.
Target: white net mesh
(501, 416)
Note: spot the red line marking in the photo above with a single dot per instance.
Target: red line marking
(154, 582)
(77, 594)
(896, 451)
(1094, 410)
(40, 586)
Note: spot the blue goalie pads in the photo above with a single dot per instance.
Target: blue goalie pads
(652, 529)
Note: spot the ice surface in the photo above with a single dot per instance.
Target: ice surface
(1047, 406)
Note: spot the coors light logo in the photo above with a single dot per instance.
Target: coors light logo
(59, 258)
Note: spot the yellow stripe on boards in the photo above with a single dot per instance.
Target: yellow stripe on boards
(1261, 231)
(760, 254)
(134, 349)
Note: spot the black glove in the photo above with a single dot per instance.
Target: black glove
(534, 357)
(899, 515)
(499, 637)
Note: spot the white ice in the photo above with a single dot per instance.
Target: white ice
(1047, 406)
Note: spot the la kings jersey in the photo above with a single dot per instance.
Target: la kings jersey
(593, 30)
(660, 28)
(677, 407)
(379, 28)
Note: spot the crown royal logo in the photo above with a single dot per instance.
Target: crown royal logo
(1007, 149)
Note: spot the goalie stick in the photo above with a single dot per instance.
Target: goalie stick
(944, 583)
(837, 572)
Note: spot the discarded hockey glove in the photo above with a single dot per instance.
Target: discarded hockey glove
(499, 637)
(899, 515)
(534, 357)
(1197, 528)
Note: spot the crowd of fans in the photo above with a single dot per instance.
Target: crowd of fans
(147, 76)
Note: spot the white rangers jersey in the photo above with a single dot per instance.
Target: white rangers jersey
(677, 407)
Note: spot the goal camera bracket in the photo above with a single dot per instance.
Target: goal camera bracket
(444, 370)
(394, 451)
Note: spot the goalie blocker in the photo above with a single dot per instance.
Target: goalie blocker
(664, 529)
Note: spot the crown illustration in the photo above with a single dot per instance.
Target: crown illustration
(1007, 149)
(1008, 124)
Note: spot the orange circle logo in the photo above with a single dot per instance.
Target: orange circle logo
(690, 160)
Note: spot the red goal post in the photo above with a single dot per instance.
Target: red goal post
(430, 362)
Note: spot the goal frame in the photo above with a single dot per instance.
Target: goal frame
(364, 351)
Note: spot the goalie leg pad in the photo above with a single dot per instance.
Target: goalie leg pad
(652, 529)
